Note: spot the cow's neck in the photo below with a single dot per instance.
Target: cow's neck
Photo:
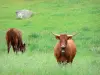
(20, 42)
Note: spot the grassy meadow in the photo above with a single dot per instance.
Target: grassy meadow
(57, 16)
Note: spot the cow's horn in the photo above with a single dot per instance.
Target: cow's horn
(70, 35)
(55, 34)
(73, 34)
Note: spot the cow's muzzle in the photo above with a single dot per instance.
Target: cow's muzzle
(63, 47)
(63, 51)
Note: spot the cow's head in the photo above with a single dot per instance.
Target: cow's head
(22, 47)
(63, 39)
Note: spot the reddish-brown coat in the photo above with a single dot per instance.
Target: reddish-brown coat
(14, 39)
(70, 49)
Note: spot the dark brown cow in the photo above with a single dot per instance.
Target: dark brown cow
(14, 38)
(65, 49)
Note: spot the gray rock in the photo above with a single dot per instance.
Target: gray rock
(21, 14)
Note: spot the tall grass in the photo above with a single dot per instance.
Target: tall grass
(57, 16)
(39, 64)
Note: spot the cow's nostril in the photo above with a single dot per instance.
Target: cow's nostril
(62, 47)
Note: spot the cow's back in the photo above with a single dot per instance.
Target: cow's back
(13, 34)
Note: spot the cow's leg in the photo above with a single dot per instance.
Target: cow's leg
(8, 45)
(69, 59)
(17, 46)
(16, 51)
(14, 48)
(59, 61)
(72, 58)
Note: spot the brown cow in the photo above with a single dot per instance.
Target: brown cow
(14, 38)
(65, 49)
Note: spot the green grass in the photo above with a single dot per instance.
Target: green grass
(58, 16)
(38, 64)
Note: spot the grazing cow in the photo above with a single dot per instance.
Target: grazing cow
(65, 49)
(14, 38)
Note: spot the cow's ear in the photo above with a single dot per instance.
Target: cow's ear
(70, 36)
(57, 37)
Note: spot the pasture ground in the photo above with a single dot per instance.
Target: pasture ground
(58, 16)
